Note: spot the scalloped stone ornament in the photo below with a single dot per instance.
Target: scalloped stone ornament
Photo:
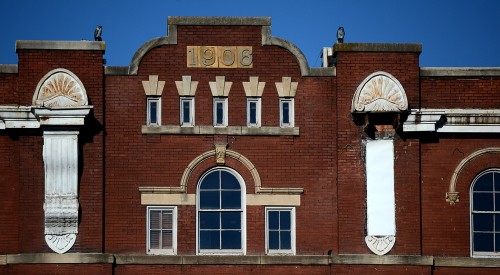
(379, 92)
(60, 243)
(60, 88)
(380, 245)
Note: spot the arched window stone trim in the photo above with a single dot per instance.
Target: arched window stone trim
(452, 196)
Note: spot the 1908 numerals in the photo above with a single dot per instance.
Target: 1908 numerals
(219, 56)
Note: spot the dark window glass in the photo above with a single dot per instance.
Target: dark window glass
(496, 178)
(219, 113)
(497, 224)
(274, 240)
(186, 111)
(285, 223)
(285, 240)
(484, 183)
(219, 192)
(253, 112)
(286, 113)
(483, 242)
(483, 222)
(153, 106)
(274, 220)
(279, 229)
(483, 201)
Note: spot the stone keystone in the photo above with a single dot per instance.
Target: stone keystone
(254, 87)
(286, 88)
(220, 87)
(186, 87)
(153, 86)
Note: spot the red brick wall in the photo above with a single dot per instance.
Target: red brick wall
(465, 271)
(460, 92)
(282, 161)
(57, 269)
(8, 87)
(352, 69)
(87, 65)
(381, 269)
(220, 270)
(446, 228)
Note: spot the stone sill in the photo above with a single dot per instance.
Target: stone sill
(210, 130)
(343, 259)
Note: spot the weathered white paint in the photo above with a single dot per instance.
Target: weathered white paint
(381, 216)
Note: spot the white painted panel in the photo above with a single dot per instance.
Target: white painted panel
(381, 217)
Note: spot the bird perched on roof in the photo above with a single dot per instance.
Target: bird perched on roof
(98, 33)
(340, 35)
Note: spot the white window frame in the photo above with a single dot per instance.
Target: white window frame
(243, 249)
(290, 251)
(479, 254)
(257, 101)
(224, 101)
(190, 100)
(173, 250)
(291, 111)
(149, 101)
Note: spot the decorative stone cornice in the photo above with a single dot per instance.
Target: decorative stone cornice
(253, 87)
(186, 87)
(460, 71)
(453, 121)
(153, 87)
(286, 88)
(220, 87)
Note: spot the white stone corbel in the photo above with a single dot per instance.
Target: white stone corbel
(220, 87)
(286, 88)
(153, 87)
(186, 87)
(254, 88)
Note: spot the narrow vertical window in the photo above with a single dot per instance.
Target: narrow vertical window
(220, 111)
(187, 111)
(220, 211)
(153, 111)
(280, 230)
(485, 214)
(161, 230)
(286, 112)
(253, 111)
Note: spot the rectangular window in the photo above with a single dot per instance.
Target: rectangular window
(187, 111)
(286, 112)
(253, 111)
(153, 111)
(280, 230)
(161, 230)
(220, 111)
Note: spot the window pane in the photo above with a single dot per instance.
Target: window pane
(484, 183)
(166, 219)
(496, 178)
(253, 112)
(154, 219)
(231, 220)
(286, 240)
(211, 181)
(209, 220)
(186, 111)
(229, 181)
(483, 201)
(273, 220)
(483, 222)
(219, 113)
(274, 240)
(483, 242)
(152, 115)
(209, 200)
(497, 201)
(231, 199)
(497, 223)
(231, 239)
(154, 239)
(209, 239)
(285, 220)
(286, 113)
(497, 242)
(166, 239)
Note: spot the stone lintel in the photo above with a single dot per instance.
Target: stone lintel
(460, 71)
(211, 130)
(8, 69)
(158, 198)
(376, 47)
(116, 70)
(466, 262)
(60, 45)
(219, 21)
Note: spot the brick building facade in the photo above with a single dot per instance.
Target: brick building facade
(219, 150)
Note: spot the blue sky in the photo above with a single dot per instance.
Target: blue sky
(453, 33)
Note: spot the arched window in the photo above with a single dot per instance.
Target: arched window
(485, 214)
(221, 213)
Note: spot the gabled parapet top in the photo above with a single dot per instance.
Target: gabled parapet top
(218, 21)
(377, 47)
(60, 45)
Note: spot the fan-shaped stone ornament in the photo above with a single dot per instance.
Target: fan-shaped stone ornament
(380, 245)
(379, 92)
(60, 88)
